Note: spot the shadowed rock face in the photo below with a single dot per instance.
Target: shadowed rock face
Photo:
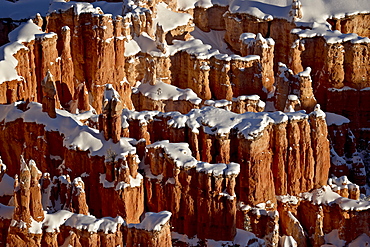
(159, 124)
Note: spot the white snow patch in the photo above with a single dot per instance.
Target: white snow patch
(6, 212)
(24, 33)
(244, 238)
(131, 48)
(168, 19)
(335, 119)
(288, 199)
(326, 196)
(213, 38)
(6, 185)
(179, 152)
(92, 224)
(76, 135)
(361, 241)
(333, 238)
(153, 221)
(164, 91)
(287, 241)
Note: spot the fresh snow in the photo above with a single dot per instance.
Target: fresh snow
(182, 156)
(164, 91)
(331, 37)
(131, 48)
(134, 182)
(333, 238)
(6, 212)
(216, 121)
(76, 135)
(79, 7)
(335, 119)
(242, 238)
(92, 224)
(214, 38)
(153, 221)
(168, 19)
(288, 199)
(326, 196)
(24, 33)
(190, 4)
(179, 152)
(361, 241)
(287, 241)
(6, 186)
(341, 183)
(314, 11)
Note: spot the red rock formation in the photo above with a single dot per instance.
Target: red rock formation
(298, 86)
(257, 45)
(169, 174)
(49, 101)
(28, 142)
(293, 141)
(352, 24)
(153, 231)
(22, 232)
(110, 119)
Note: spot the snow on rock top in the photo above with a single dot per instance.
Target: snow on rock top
(179, 152)
(6, 186)
(318, 112)
(214, 38)
(153, 221)
(243, 238)
(361, 241)
(76, 135)
(182, 156)
(131, 48)
(216, 121)
(331, 37)
(194, 47)
(6, 212)
(341, 183)
(168, 19)
(214, 169)
(23, 9)
(24, 33)
(190, 4)
(164, 91)
(326, 196)
(52, 222)
(313, 10)
(287, 241)
(92, 224)
(79, 7)
(110, 93)
(335, 119)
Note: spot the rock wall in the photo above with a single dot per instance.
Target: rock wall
(352, 24)
(198, 194)
(47, 148)
(293, 151)
(31, 226)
